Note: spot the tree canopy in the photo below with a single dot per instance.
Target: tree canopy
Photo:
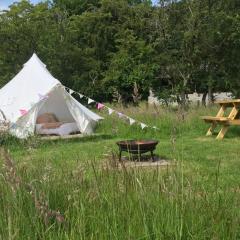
(113, 50)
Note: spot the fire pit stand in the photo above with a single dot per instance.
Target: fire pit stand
(137, 147)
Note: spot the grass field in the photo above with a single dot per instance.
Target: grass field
(198, 197)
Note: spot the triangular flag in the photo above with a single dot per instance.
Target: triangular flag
(131, 121)
(100, 106)
(23, 111)
(90, 101)
(80, 95)
(120, 115)
(71, 91)
(110, 111)
(143, 125)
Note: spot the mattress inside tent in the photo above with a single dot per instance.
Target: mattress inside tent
(63, 130)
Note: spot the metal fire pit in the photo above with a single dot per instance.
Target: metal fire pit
(137, 147)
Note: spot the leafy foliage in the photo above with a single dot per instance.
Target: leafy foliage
(104, 48)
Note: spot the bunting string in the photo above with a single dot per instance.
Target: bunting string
(100, 106)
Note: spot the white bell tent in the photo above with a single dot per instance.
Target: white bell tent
(34, 91)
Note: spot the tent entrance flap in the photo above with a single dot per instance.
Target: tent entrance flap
(54, 116)
(56, 104)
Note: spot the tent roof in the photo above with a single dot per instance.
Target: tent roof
(34, 60)
(26, 88)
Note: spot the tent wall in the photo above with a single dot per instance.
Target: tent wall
(25, 126)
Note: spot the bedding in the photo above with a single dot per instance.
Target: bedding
(60, 129)
(46, 118)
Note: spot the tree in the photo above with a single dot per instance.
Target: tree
(130, 66)
(108, 49)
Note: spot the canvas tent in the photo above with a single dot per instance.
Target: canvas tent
(34, 91)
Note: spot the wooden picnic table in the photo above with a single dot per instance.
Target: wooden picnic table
(221, 119)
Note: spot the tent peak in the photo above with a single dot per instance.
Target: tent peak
(33, 61)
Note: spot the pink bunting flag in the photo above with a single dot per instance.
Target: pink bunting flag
(23, 112)
(100, 106)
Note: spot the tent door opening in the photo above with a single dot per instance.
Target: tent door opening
(54, 116)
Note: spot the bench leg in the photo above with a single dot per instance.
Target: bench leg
(211, 129)
(214, 124)
(224, 129)
(222, 133)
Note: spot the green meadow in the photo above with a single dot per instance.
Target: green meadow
(196, 197)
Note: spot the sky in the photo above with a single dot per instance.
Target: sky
(5, 3)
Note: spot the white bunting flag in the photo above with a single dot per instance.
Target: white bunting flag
(143, 125)
(71, 91)
(131, 121)
(110, 111)
(90, 101)
(80, 95)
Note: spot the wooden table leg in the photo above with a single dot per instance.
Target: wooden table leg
(214, 125)
(222, 133)
(211, 129)
(234, 112)
(232, 115)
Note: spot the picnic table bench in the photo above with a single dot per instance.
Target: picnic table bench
(225, 121)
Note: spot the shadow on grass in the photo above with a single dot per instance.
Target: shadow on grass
(233, 132)
(91, 138)
(144, 158)
(10, 142)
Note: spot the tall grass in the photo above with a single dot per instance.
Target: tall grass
(164, 118)
(193, 199)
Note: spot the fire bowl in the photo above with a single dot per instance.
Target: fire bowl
(137, 147)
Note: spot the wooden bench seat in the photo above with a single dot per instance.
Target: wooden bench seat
(215, 119)
(235, 122)
(228, 103)
(223, 120)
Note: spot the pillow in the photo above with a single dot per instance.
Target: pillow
(46, 118)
